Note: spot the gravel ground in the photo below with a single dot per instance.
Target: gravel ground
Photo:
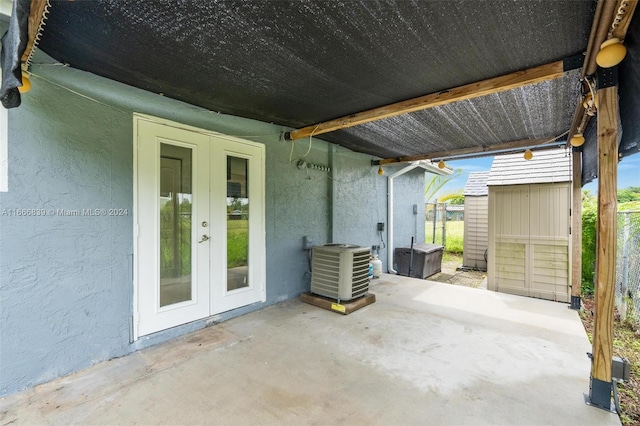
(450, 273)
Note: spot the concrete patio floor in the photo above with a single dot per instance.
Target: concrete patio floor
(424, 353)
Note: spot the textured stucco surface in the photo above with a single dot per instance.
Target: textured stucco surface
(360, 199)
(66, 282)
(408, 188)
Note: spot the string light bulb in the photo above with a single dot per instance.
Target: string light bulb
(577, 140)
(380, 170)
(528, 155)
(441, 164)
(26, 83)
(611, 53)
(589, 101)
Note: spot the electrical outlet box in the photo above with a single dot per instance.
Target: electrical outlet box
(415, 209)
(307, 243)
(620, 368)
(380, 226)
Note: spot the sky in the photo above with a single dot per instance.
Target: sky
(628, 174)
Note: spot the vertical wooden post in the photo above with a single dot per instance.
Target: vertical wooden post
(601, 384)
(576, 231)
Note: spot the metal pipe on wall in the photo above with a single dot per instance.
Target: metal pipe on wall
(426, 166)
(332, 201)
(390, 215)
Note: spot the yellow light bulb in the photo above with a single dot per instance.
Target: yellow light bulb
(577, 140)
(528, 155)
(589, 101)
(611, 53)
(441, 164)
(380, 170)
(26, 83)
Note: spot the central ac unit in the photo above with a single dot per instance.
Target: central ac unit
(340, 271)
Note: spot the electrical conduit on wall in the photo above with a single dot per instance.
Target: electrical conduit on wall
(332, 201)
(424, 165)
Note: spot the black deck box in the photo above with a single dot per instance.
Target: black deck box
(427, 260)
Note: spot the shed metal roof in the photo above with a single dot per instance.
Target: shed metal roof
(476, 185)
(549, 166)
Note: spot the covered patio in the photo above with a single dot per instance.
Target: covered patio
(363, 88)
(424, 353)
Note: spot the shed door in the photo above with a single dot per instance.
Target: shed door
(530, 240)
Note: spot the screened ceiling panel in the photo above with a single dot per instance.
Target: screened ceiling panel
(298, 63)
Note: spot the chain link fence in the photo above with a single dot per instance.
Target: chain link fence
(628, 266)
(444, 225)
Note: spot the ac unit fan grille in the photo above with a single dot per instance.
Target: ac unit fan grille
(340, 272)
(360, 278)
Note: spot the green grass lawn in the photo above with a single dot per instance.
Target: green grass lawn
(237, 243)
(454, 235)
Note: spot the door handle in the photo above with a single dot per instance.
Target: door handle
(204, 238)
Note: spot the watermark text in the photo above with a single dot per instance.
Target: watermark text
(57, 212)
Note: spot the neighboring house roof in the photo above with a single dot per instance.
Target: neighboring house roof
(477, 184)
(545, 167)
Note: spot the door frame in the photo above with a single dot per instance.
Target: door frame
(259, 262)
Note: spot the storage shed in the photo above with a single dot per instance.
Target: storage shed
(529, 225)
(476, 221)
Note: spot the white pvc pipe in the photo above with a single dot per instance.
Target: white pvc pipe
(428, 167)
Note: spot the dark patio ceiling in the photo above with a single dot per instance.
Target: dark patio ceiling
(297, 63)
(537, 111)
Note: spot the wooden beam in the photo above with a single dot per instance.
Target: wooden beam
(601, 381)
(527, 143)
(605, 15)
(600, 28)
(592, 36)
(621, 30)
(578, 116)
(606, 233)
(35, 16)
(576, 231)
(345, 308)
(468, 91)
(603, 25)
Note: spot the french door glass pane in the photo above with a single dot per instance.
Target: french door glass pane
(176, 197)
(237, 223)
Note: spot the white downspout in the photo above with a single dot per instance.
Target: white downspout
(428, 167)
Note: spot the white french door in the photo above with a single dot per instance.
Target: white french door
(199, 215)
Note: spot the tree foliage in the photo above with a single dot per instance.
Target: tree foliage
(628, 199)
(436, 182)
(629, 194)
(589, 220)
(455, 198)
